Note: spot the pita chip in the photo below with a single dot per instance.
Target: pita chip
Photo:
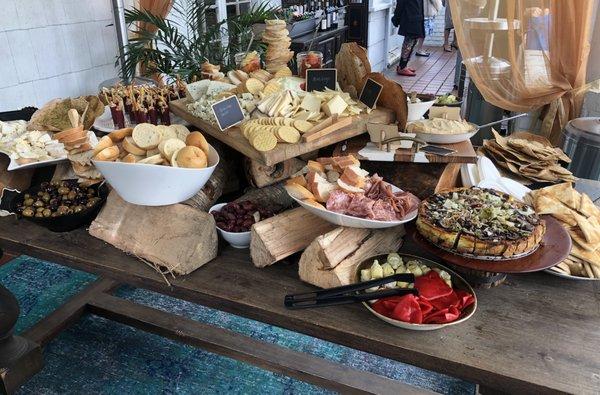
(547, 205)
(590, 232)
(578, 237)
(587, 207)
(587, 256)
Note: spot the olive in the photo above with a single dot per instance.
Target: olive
(26, 196)
(53, 202)
(46, 197)
(39, 215)
(63, 190)
(54, 215)
(72, 195)
(38, 203)
(40, 193)
(77, 209)
(39, 209)
(47, 212)
(28, 202)
(62, 210)
(28, 212)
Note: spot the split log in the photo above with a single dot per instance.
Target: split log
(16, 179)
(331, 259)
(185, 240)
(274, 196)
(280, 236)
(260, 175)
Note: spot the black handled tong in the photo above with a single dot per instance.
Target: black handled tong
(350, 293)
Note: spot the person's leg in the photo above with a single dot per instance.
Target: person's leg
(420, 51)
(447, 27)
(447, 47)
(407, 48)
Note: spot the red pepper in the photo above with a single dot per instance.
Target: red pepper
(442, 316)
(431, 286)
(425, 305)
(465, 298)
(408, 310)
(380, 308)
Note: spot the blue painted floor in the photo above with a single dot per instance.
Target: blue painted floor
(97, 356)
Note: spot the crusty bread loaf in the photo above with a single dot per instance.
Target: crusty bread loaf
(300, 180)
(316, 167)
(314, 203)
(130, 146)
(197, 140)
(323, 189)
(108, 154)
(146, 136)
(120, 134)
(191, 157)
(352, 177)
(104, 143)
(348, 188)
(298, 191)
(168, 147)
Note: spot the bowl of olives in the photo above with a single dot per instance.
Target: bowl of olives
(60, 206)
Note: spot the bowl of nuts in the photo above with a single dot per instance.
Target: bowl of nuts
(60, 206)
(235, 219)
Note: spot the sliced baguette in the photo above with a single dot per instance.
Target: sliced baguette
(130, 146)
(146, 136)
(104, 142)
(181, 131)
(300, 180)
(316, 167)
(168, 147)
(166, 132)
(120, 134)
(152, 160)
(314, 203)
(352, 177)
(129, 158)
(298, 191)
(108, 154)
(322, 191)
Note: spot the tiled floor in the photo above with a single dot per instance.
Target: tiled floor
(435, 74)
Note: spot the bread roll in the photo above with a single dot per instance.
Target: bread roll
(120, 134)
(146, 136)
(130, 146)
(168, 147)
(191, 157)
(129, 158)
(197, 140)
(104, 143)
(108, 154)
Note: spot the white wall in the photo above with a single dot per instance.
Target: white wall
(54, 48)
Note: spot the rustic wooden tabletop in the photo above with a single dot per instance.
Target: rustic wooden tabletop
(535, 333)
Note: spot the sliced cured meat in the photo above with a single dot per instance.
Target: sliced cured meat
(360, 206)
(338, 201)
(382, 211)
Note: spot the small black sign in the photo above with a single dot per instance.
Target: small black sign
(228, 112)
(370, 93)
(319, 79)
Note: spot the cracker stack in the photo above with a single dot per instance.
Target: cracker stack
(580, 216)
(276, 36)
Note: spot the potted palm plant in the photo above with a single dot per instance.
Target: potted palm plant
(187, 37)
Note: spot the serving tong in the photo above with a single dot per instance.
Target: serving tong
(350, 293)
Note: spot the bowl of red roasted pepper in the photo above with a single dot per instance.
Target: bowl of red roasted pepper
(444, 298)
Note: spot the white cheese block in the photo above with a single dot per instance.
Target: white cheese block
(216, 87)
(311, 103)
(335, 106)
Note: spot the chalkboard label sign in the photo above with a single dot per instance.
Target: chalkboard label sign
(228, 112)
(370, 93)
(319, 79)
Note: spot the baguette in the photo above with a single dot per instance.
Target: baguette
(314, 203)
(351, 177)
(300, 180)
(129, 158)
(108, 154)
(181, 131)
(348, 188)
(316, 167)
(104, 143)
(130, 146)
(322, 191)
(166, 132)
(146, 136)
(168, 147)
(120, 134)
(298, 191)
(152, 160)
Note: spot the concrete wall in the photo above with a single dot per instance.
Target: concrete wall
(54, 48)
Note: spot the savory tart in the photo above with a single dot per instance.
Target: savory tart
(479, 221)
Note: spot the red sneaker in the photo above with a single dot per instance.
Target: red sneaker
(411, 69)
(405, 72)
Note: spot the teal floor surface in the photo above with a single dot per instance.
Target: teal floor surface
(97, 356)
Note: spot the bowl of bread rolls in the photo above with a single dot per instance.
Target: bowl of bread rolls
(153, 165)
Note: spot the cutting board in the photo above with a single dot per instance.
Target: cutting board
(236, 140)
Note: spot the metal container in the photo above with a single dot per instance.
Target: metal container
(580, 140)
(480, 112)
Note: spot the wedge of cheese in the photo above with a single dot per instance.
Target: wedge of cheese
(197, 89)
(335, 106)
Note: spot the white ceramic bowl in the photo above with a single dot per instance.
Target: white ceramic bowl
(236, 239)
(417, 110)
(153, 185)
(355, 222)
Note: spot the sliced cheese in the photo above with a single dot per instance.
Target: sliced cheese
(335, 106)
(197, 89)
(311, 103)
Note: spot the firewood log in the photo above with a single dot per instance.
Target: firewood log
(260, 175)
(331, 259)
(280, 236)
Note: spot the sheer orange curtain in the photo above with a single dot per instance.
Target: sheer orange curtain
(525, 54)
(156, 7)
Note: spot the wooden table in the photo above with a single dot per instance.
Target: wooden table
(535, 334)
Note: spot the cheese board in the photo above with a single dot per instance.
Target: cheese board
(235, 138)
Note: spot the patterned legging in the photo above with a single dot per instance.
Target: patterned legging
(407, 48)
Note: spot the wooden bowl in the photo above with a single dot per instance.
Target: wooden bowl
(458, 283)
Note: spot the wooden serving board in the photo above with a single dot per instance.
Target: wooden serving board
(465, 153)
(235, 139)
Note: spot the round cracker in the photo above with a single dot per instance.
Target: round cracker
(302, 126)
(288, 134)
(264, 141)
